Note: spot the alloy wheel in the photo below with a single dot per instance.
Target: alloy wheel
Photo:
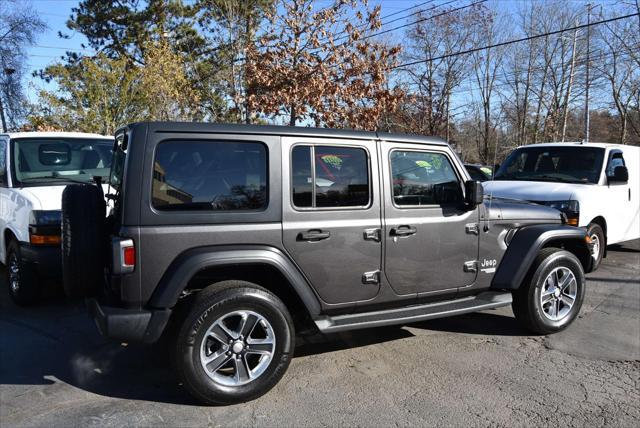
(558, 294)
(237, 348)
(595, 249)
(14, 274)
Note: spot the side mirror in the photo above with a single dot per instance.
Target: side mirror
(620, 175)
(473, 193)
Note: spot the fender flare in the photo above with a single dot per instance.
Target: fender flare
(190, 262)
(525, 246)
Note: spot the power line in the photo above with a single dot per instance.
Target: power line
(368, 36)
(509, 42)
(69, 49)
(406, 9)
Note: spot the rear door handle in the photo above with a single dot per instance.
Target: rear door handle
(313, 235)
(403, 231)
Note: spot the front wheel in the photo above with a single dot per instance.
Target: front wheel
(22, 282)
(552, 293)
(235, 343)
(596, 234)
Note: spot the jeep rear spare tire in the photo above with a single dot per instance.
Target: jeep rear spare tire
(83, 219)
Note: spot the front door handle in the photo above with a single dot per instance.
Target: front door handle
(403, 231)
(313, 235)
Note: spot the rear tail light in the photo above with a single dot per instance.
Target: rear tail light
(124, 255)
(129, 256)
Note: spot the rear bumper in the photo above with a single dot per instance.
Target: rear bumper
(46, 261)
(129, 325)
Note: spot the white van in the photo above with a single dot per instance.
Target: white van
(596, 185)
(35, 167)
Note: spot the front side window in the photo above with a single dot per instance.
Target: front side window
(210, 176)
(340, 177)
(560, 164)
(3, 151)
(423, 178)
(53, 160)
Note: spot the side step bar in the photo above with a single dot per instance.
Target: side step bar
(486, 300)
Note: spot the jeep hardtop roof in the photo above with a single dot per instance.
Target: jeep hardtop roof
(576, 144)
(54, 134)
(216, 128)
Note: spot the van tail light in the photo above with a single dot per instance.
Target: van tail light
(124, 255)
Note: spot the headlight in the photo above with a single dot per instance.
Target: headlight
(45, 218)
(570, 208)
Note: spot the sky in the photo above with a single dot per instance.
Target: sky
(49, 47)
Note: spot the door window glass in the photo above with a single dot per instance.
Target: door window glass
(340, 177)
(422, 178)
(210, 175)
(3, 159)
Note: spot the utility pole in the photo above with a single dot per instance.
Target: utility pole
(568, 94)
(4, 121)
(586, 92)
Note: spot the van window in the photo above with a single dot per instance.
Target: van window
(53, 160)
(210, 175)
(340, 177)
(424, 178)
(3, 156)
(562, 164)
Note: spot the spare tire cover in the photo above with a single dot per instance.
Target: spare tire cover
(83, 240)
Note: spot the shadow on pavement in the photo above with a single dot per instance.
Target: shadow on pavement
(481, 323)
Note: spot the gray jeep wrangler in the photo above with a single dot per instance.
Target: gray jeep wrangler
(230, 240)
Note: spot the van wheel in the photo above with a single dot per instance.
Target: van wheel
(595, 232)
(22, 281)
(234, 344)
(551, 295)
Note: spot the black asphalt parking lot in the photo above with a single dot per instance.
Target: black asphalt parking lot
(471, 370)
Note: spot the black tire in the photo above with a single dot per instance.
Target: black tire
(22, 281)
(527, 305)
(83, 248)
(210, 305)
(595, 232)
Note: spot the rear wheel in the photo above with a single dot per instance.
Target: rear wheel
(595, 232)
(83, 219)
(22, 281)
(551, 295)
(234, 344)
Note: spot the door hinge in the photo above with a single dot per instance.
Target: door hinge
(372, 234)
(471, 266)
(472, 228)
(372, 277)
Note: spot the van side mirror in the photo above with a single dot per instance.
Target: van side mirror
(620, 175)
(473, 193)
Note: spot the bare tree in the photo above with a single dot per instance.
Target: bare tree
(19, 26)
(620, 72)
(486, 67)
(430, 41)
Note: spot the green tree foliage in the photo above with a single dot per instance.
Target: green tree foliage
(99, 94)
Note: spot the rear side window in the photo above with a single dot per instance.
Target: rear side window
(423, 178)
(210, 176)
(329, 176)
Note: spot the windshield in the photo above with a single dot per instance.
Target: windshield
(59, 159)
(573, 164)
